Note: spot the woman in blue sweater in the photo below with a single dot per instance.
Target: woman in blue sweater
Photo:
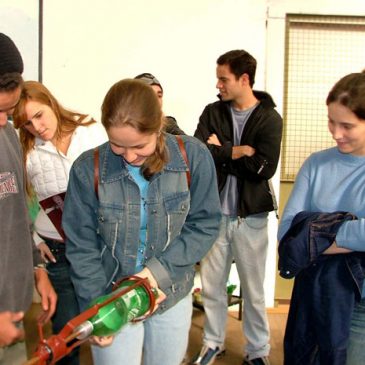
(334, 180)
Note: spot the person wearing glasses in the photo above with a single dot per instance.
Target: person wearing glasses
(171, 125)
(52, 137)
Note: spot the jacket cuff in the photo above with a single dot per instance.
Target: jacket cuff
(227, 150)
(160, 273)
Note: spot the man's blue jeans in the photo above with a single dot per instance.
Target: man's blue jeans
(245, 241)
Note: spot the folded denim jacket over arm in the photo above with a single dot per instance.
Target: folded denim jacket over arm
(324, 292)
(309, 235)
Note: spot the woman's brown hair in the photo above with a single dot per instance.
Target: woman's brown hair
(67, 120)
(133, 103)
(349, 91)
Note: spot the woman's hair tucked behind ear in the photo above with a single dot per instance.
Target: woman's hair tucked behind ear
(67, 120)
(132, 103)
(349, 91)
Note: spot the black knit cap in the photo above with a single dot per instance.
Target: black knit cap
(10, 58)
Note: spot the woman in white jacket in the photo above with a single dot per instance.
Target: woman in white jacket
(52, 138)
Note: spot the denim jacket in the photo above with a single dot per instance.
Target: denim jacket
(325, 289)
(103, 234)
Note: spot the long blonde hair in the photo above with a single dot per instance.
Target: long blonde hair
(133, 103)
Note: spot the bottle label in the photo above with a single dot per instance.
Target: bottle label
(134, 303)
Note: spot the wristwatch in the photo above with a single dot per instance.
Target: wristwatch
(41, 266)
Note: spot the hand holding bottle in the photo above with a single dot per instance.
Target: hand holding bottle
(131, 300)
(104, 341)
(131, 305)
(146, 273)
(101, 341)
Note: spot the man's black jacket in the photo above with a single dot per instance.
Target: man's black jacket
(263, 132)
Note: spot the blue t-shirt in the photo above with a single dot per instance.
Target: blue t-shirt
(135, 172)
(229, 194)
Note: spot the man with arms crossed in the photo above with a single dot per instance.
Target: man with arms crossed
(243, 132)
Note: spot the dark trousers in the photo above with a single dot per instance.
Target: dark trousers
(67, 305)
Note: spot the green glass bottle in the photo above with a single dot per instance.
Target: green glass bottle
(113, 316)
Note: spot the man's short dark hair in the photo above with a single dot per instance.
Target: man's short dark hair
(11, 64)
(10, 81)
(240, 62)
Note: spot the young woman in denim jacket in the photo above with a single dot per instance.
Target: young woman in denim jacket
(145, 221)
(334, 180)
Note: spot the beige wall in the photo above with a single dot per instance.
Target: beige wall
(19, 20)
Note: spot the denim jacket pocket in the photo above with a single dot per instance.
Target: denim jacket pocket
(109, 223)
(177, 208)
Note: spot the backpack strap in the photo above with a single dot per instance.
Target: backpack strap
(185, 157)
(96, 172)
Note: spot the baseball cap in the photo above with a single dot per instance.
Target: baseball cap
(149, 79)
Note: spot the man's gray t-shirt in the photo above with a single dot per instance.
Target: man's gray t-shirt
(229, 194)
